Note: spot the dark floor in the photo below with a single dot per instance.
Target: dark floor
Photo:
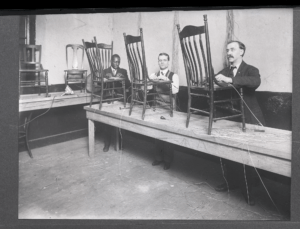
(63, 182)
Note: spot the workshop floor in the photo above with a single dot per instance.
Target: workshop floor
(63, 182)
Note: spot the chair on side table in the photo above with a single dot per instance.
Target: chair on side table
(74, 73)
(31, 68)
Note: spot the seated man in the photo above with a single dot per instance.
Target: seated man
(240, 74)
(114, 71)
(164, 151)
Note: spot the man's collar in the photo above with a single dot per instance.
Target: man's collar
(164, 71)
(236, 65)
(113, 68)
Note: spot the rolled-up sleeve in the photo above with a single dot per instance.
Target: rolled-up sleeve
(175, 84)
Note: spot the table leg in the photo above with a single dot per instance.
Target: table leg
(117, 137)
(91, 138)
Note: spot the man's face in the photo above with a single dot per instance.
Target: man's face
(163, 62)
(115, 62)
(234, 52)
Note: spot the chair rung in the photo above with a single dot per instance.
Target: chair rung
(137, 101)
(116, 97)
(227, 117)
(106, 89)
(166, 105)
(32, 85)
(201, 95)
(197, 110)
(226, 100)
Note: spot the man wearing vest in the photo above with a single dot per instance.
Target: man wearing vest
(240, 74)
(114, 71)
(164, 151)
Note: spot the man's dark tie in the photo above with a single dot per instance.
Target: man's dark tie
(231, 75)
(162, 73)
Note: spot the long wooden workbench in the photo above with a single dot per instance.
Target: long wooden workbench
(37, 102)
(269, 150)
(33, 102)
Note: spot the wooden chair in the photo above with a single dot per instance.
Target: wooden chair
(99, 58)
(31, 67)
(200, 76)
(74, 72)
(139, 76)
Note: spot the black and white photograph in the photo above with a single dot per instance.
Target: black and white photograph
(156, 115)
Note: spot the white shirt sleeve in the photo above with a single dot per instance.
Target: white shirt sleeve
(152, 76)
(175, 84)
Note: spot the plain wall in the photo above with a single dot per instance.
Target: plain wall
(54, 32)
(158, 35)
(267, 34)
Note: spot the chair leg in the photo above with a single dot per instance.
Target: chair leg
(188, 109)
(171, 101)
(85, 81)
(66, 78)
(46, 82)
(82, 78)
(26, 127)
(242, 111)
(124, 93)
(211, 115)
(92, 92)
(39, 83)
(144, 103)
(113, 92)
(155, 96)
(101, 96)
(133, 95)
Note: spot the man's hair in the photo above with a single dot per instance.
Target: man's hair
(164, 54)
(241, 45)
(115, 55)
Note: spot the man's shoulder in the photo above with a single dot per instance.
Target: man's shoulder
(122, 70)
(107, 69)
(248, 66)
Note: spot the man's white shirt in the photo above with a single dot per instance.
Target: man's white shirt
(175, 79)
(235, 69)
(114, 71)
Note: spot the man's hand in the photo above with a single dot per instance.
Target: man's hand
(108, 75)
(222, 78)
(160, 77)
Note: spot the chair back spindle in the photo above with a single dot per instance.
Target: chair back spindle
(136, 58)
(76, 61)
(30, 56)
(197, 61)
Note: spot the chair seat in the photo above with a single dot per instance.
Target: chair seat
(114, 79)
(152, 82)
(75, 71)
(33, 70)
(216, 88)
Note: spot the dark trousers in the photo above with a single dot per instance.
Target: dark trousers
(239, 176)
(163, 151)
(108, 132)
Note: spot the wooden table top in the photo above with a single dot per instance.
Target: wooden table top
(272, 142)
(35, 102)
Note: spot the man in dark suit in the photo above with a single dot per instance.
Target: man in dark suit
(240, 74)
(114, 71)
